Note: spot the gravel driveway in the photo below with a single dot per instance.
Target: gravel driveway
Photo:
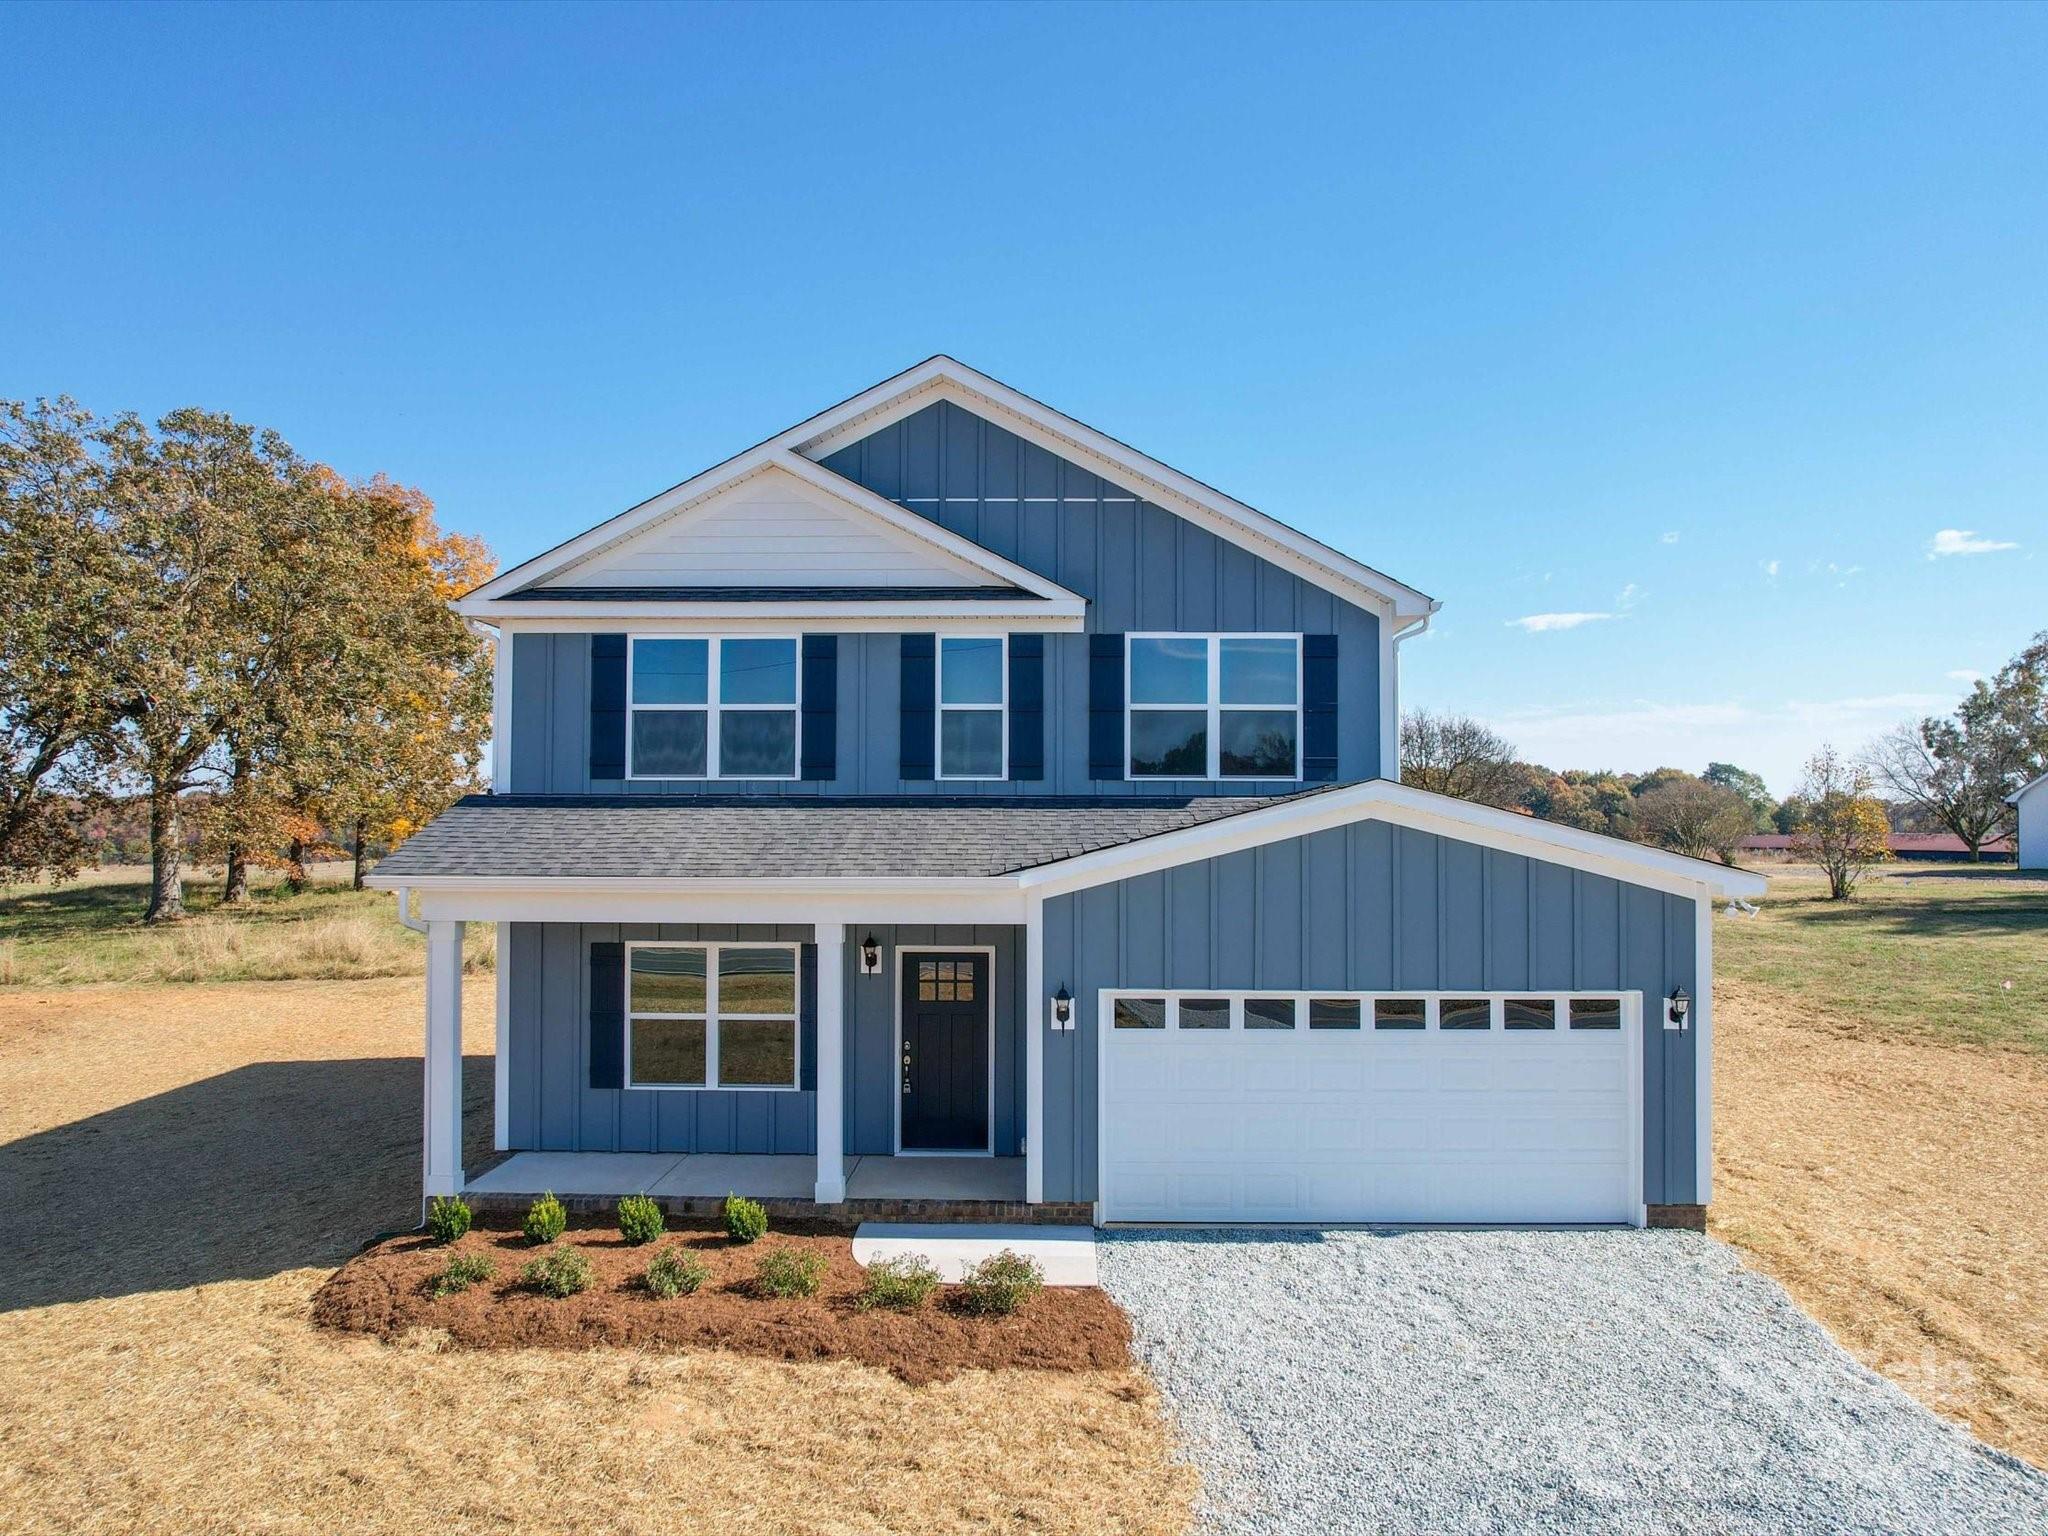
(1449, 1382)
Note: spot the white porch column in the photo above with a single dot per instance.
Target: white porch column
(831, 942)
(443, 1171)
(1035, 1025)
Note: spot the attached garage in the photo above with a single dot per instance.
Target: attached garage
(1333, 1107)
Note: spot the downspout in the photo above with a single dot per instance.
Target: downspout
(416, 924)
(1399, 635)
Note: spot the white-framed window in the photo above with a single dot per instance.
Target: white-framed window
(1212, 706)
(712, 1016)
(1360, 1013)
(713, 706)
(974, 714)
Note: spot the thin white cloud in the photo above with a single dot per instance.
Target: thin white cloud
(1629, 596)
(1964, 675)
(1770, 569)
(1541, 623)
(1964, 541)
(1670, 538)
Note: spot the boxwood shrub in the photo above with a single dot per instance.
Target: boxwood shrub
(1000, 1284)
(674, 1272)
(463, 1271)
(559, 1272)
(745, 1220)
(905, 1281)
(640, 1219)
(545, 1220)
(448, 1217)
(791, 1272)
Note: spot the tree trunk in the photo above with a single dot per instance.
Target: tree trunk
(236, 892)
(1976, 852)
(166, 857)
(295, 859)
(357, 882)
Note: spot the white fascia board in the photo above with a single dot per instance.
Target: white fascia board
(2025, 789)
(758, 901)
(1380, 799)
(840, 618)
(1224, 515)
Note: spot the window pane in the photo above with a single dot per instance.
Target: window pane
(1173, 670)
(1465, 1013)
(971, 672)
(1333, 1013)
(1269, 1013)
(669, 741)
(1257, 671)
(1205, 1013)
(1596, 1013)
(1171, 743)
(1140, 1013)
(668, 1051)
(670, 671)
(1529, 1013)
(756, 1051)
(971, 743)
(1258, 743)
(756, 743)
(1399, 1013)
(757, 672)
(668, 981)
(756, 981)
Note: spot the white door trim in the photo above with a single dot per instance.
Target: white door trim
(896, 1050)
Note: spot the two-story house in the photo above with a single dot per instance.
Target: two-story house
(941, 798)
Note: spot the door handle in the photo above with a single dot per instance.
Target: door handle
(906, 1071)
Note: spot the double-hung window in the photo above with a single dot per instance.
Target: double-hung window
(973, 722)
(1214, 706)
(712, 707)
(711, 1016)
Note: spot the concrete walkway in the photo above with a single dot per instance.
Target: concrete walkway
(1066, 1254)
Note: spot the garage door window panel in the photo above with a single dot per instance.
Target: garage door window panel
(1202, 1013)
(1400, 1013)
(1596, 1012)
(1465, 1013)
(1269, 1013)
(1333, 1013)
(1529, 1013)
(1139, 1013)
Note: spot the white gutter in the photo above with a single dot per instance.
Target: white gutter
(417, 925)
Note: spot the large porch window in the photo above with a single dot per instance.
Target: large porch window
(711, 1016)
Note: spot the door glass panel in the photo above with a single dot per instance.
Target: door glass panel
(756, 981)
(756, 743)
(1204, 1013)
(971, 671)
(1269, 1013)
(668, 1052)
(670, 671)
(1173, 669)
(1139, 1013)
(1333, 1013)
(1256, 743)
(669, 742)
(1465, 1013)
(668, 981)
(1170, 743)
(757, 672)
(1259, 671)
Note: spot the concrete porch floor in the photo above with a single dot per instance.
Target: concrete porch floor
(759, 1176)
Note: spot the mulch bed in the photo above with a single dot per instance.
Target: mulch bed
(383, 1292)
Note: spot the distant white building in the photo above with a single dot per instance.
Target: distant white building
(2032, 804)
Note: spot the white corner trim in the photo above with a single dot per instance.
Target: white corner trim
(501, 1048)
(501, 713)
(1034, 1026)
(1703, 1048)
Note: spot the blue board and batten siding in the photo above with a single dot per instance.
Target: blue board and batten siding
(1140, 567)
(553, 1108)
(1371, 907)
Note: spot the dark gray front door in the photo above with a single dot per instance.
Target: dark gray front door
(943, 1070)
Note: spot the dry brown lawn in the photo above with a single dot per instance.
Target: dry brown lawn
(190, 1163)
(1895, 1187)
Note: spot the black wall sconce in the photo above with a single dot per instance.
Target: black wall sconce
(1062, 1008)
(1677, 1009)
(870, 956)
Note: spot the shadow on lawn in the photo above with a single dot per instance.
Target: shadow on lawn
(2016, 912)
(269, 1167)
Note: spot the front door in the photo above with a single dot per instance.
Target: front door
(943, 1070)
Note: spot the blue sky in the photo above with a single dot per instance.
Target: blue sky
(1701, 324)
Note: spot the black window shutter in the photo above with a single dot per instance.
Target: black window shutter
(807, 1014)
(821, 707)
(920, 690)
(1027, 707)
(1319, 708)
(607, 1015)
(608, 707)
(1105, 706)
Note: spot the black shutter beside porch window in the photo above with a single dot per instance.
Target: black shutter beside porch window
(607, 1015)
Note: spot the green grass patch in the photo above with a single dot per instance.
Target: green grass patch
(1942, 952)
(91, 930)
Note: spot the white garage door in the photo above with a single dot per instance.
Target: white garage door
(1324, 1107)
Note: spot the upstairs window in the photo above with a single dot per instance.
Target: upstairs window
(973, 720)
(1214, 706)
(712, 707)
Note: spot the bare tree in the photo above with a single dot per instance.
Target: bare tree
(1693, 817)
(1953, 772)
(1456, 755)
(1845, 831)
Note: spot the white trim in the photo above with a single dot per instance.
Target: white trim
(962, 616)
(1214, 706)
(441, 1099)
(1703, 1049)
(501, 714)
(501, 1049)
(715, 709)
(939, 707)
(1034, 1024)
(2019, 794)
(896, 1054)
(713, 1018)
(942, 377)
(829, 1187)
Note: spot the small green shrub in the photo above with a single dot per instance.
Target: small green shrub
(545, 1220)
(907, 1281)
(559, 1272)
(789, 1272)
(640, 1220)
(674, 1272)
(745, 1221)
(448, 1217)
(1000, 1284)
(463, 1271)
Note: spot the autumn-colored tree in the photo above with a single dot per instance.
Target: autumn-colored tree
(1845, 831)
(1691, 816)
(1457, 755)
(57, 579)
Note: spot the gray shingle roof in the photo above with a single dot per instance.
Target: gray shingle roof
(601, 837)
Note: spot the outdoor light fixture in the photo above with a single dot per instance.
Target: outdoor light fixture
(1062, 1007)
(870, 956)
(1676, 1009)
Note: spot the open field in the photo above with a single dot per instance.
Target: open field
(1881, 1128)
(186, 1165)
(91, 930)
